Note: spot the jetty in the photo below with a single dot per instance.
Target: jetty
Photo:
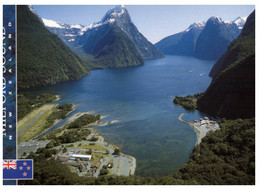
(202, 126)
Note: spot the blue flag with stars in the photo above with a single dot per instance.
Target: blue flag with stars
(18, 169)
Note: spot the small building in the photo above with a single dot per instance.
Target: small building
(71, 153)
(203, 122)
(80, 157)
(206, 118)
(109, 166)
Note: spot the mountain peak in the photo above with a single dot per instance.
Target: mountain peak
(240, 21)
(118, 17)
(32, 9)
(115, 13)
(198, 25)
(215, 19)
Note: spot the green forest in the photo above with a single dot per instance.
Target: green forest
(115, 49)
(26, 104)
(84, 120)
(188, 102)
(231, 93)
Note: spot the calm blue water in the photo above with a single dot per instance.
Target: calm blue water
(141, 98)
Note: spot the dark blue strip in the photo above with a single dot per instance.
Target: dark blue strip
(9, 84)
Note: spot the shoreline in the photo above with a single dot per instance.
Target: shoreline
(201, 126)
(125, 164)
(198, 131)
(56, 121)
(58, 97)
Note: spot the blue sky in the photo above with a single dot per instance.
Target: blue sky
(153, 21)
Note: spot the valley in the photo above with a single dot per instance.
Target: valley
(140, 117)
(147, 119)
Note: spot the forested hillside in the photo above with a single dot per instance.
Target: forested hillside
(112, 48)
(43, 59)
(231, 94)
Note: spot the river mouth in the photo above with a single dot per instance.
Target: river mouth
(141, 99)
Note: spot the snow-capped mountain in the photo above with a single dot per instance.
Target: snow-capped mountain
(240, 22)
(78, 35)
(198, 37)
(182, 43)
(67, 32)
(199, 26)
(235, 26)
(213, 40)
(104, 43)
(121, 17)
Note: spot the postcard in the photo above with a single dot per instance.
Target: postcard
(128, 94)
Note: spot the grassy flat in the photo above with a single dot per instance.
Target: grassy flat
(93, 147)
(33, 124)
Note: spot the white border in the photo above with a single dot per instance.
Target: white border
(131, 2)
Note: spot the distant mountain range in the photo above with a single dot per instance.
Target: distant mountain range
(86, 40)
(205, 40)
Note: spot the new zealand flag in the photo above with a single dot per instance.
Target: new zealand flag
(18, 169)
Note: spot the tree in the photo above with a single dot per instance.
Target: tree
(64, 150)
(116, 152)
(90, 151)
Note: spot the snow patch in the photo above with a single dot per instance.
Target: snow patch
(215, 18)
(76, 26)
(112, 20)
(51, 23)
(240, 21)
(70, 35)
(199, 25)
(32, 9)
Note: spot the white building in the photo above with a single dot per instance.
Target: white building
(80, 157)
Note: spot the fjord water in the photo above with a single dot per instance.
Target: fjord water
(141, 98)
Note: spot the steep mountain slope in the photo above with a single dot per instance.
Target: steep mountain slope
(235, 27)
(184, 43)
(122, 18)
(237, 50)
(42, 57)
(112, 48)
(77, 36)
(213, 40)
(232, 91)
